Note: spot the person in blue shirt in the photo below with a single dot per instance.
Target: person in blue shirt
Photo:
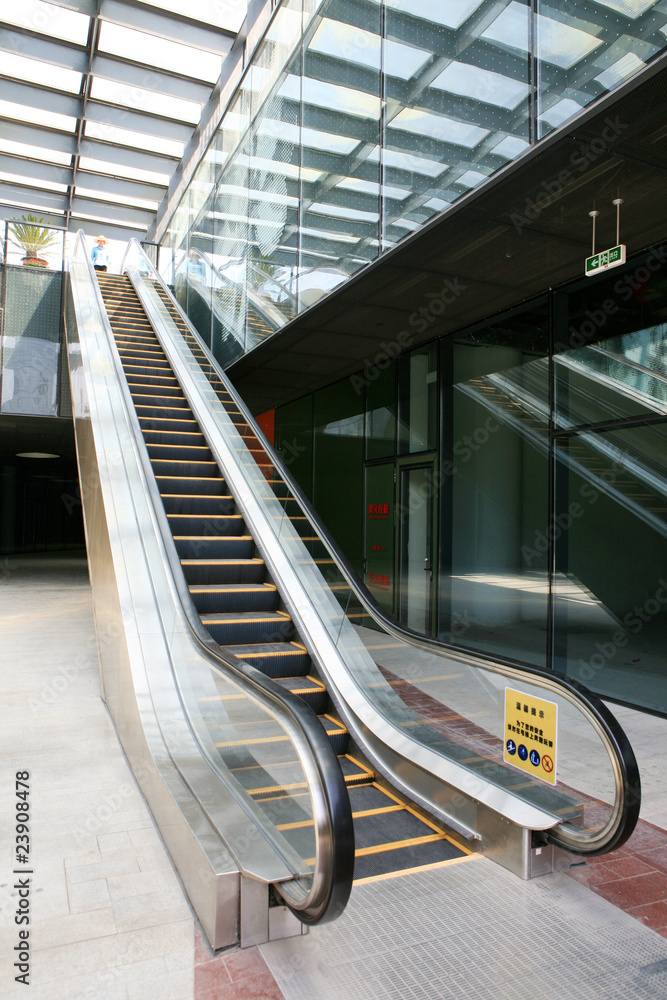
(100, 254)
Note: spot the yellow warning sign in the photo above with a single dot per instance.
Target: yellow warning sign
(531, 731)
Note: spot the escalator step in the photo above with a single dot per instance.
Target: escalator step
(174, 438)
(185, 469)
(234, 598)
(274, 659)
(180, 452)
(212, 547)
(199, 524)
(249, 627)
(371, 796)
(338, 734)
(309, 689)
(199, 505)
(154, 405)
(146, 378)
(184, 424)
(405, 858)
(217, 571)
(374, 830)
(210, 485)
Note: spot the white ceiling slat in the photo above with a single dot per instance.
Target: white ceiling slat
(167, 25)
(154, 107)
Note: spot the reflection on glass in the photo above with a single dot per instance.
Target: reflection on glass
(418, 400)
(355, 124)
(610, 610)
(494, 542)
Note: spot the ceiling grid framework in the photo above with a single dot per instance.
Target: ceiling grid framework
(98, 100)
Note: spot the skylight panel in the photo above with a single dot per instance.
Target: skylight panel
(560, 44)
(481, 85)
(629, 8)
(137, 140)
(437, 204)
(47, 19)
(334, 237)
(290, 170)
(620, 70)
(560, 112)
(36, 116)
(310, 137)
(145, 100)
(125, 199)
(408, 161)
(438, 127)
(35, 152)
(451, 13)
(364, 48)
(160, 52)
(511, 146)
(32, 182)
(118, 170)
(332, 97)
(371, 187)
(471, 178)
(341, 212)
(228, 14)
(43, 74)
(33, 205)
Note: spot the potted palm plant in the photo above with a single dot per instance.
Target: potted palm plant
(31, 236)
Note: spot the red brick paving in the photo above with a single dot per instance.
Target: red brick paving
(233, 975)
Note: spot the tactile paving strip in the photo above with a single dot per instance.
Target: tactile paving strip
(473, 931)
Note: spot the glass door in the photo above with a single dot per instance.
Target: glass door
(379, 533)
(416, 484)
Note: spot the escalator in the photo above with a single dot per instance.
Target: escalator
(239, 604)
(240, 676)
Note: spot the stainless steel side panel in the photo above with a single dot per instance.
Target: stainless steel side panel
(213, 841)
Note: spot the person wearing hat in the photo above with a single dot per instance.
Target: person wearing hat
(100, 254)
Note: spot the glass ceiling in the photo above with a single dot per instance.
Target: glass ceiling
(96, 111)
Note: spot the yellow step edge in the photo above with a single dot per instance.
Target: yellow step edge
(396, 845)
(417, 868)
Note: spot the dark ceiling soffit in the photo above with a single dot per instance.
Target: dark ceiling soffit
(420, 266)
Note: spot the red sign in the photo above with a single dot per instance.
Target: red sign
(379, 581)
(378, 511)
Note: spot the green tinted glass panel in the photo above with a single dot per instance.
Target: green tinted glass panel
(380, 412)
(339, 451)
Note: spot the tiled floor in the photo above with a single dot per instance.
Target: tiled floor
(110, 918)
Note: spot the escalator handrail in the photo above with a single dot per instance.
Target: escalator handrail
(625, 812)
(332, 881)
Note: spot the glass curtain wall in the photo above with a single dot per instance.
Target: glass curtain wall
(610, 570)
(494, 579)
(357, 122)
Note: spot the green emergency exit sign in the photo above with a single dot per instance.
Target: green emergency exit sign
(605, 259)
